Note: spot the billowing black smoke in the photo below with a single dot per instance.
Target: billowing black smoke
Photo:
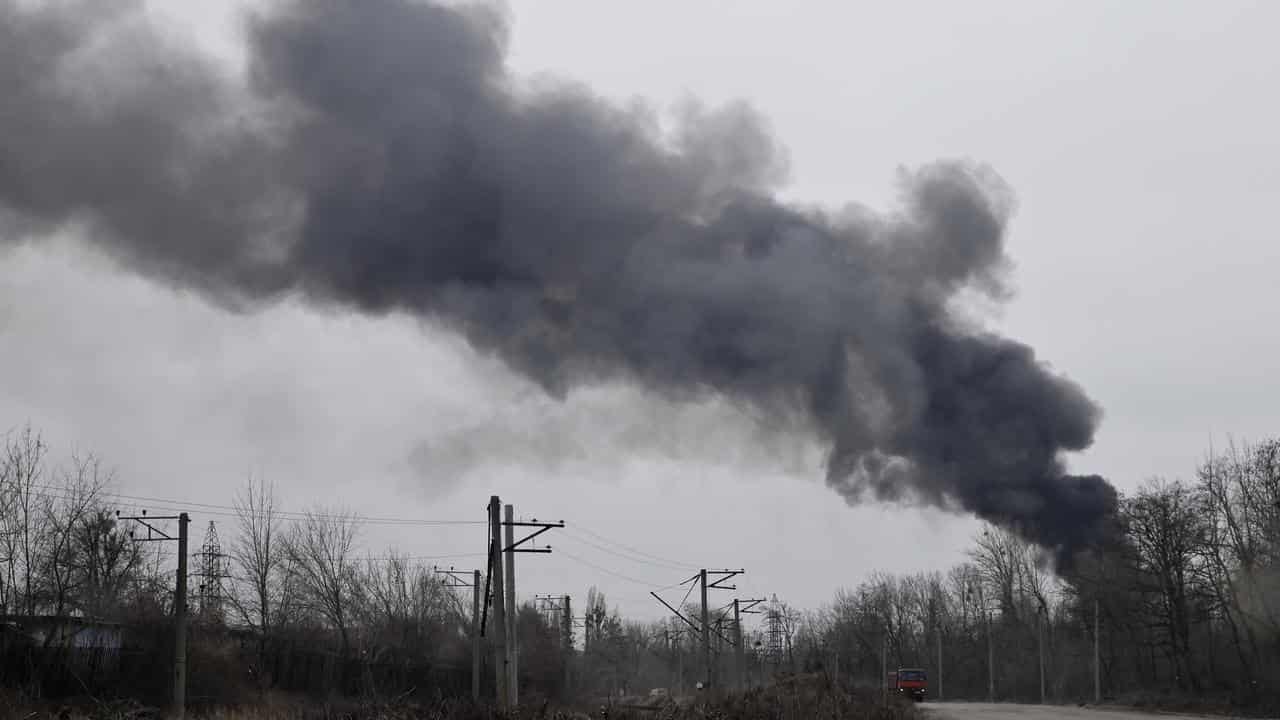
(380, 157)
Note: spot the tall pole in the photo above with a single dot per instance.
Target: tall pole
(180, 624)
(939, 660)
(884, 666)
(991, 656)
(475, 636)
(991, 660)
(500, 670)
(706, 631)
(567, 621)
(1097, 666)
(739, 651)
(513, 682)
(1042, 617)
(679, 664)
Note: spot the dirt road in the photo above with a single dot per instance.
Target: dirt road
(1005, 711)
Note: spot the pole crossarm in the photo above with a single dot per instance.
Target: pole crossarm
(456, 578)
(552, 602)
(724, 576)
(744, 607)
(542, 527)
(154, 534)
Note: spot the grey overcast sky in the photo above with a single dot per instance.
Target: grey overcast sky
(1139, 137)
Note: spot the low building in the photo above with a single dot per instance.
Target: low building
(62, 631)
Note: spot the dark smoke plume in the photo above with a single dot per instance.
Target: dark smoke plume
(381, 157)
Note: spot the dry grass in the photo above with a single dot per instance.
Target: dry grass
(806, 698)
(1265, 705)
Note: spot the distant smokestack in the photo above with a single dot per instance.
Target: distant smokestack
(381, 158)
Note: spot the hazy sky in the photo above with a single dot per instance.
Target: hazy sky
(1139, 138)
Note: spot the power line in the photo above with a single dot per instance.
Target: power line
(286, 515)
(633, 550)
(663, 566)
(607, 571)
(446, 556)
(432, 557)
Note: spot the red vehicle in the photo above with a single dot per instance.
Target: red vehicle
(910, 681)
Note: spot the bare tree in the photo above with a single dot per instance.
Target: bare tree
(388, 586)
(1241, 488)
(320, 550)
(257, 556)
(75, 501)
(108, 562)
(24, 531)
(1169, 526)
(997, 553)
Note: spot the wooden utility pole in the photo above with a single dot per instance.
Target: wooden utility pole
(706, 631)
(513, 683)
(500, 670)
(475, 637)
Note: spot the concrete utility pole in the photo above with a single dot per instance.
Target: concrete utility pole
(991, 656)
(884, 666)
(739, 652)
(706, 631)
(939, 660)
(1097, 656)
(991, 659)
(835, 667)
(475, 636)
(1042, 617)
(180, 624)
(567, 622)
(513, 682)
(679, 665)
(500, 670)
(158, 534)
(505, 615)
(456, 579)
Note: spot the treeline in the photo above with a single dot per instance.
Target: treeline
(1184, 605)
(293, 605)
(62, 550)
(1185, 601)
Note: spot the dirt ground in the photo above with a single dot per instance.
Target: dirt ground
(1011, 711)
